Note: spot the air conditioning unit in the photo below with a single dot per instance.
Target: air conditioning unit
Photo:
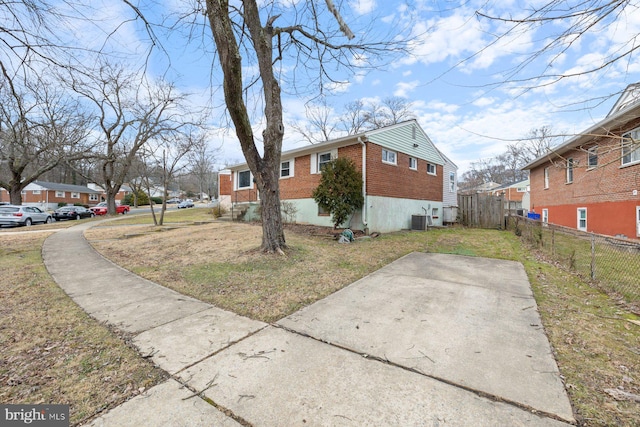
(418, 222)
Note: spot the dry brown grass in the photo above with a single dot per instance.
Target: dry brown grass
(50, 350)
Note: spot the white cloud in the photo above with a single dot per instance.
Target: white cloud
(362, 7)
(405, 89)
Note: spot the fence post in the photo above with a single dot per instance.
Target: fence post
(553, 242)
(593, 256)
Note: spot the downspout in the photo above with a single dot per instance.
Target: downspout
(364, 182)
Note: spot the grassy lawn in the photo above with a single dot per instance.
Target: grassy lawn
(597, 348)
(50, 350)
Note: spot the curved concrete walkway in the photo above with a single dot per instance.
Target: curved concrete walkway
(430, 339)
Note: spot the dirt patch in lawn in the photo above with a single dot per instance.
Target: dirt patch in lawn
(51, 352)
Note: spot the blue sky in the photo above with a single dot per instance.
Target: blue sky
(457, 75)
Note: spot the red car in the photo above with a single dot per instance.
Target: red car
(101, 209)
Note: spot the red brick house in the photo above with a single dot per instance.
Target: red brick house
(591, 182)
(48, 195)
(402, 175)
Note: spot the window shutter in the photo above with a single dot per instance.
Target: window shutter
(314, 163)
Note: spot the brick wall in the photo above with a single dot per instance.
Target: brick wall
(226, 184)
(382, 179)
(609, 182)
(607, 191)
(399, 180)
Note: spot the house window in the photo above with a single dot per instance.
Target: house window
(60, 194)
(569, 170)
(323, 159)
(244, 179)
(582, 219)
(322, 211)
(545, 216)
(286, 169)
(521, 189)
(546, 177)
(413, 163)
(431, 169)
(452, 182)
(592, 157)
(35, 191)
(389, 157)
(630, 148)
(75, 195)
(93, 197)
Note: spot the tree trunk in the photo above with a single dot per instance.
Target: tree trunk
(265, 169)
(15, 194)
(272, 230)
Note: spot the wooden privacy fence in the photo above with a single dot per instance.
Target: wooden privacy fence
(481, 210)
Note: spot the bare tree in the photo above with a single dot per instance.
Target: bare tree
(353, 120)
(130, 111)
(202, 160)
(320, 124)
(165, 156)
(40, 128)
(361, 115)
(305, 38)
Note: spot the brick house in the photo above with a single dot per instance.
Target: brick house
(47, 195)
(515, 196)
(591, 182)
(402, 171)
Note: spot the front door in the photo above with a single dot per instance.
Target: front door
(637, 221)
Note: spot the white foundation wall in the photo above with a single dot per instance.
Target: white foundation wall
(383, 214)
(386, 214)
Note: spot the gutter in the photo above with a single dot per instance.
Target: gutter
(364, 181)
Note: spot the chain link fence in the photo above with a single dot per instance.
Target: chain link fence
(609, 263)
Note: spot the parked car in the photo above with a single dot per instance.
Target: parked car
(23, 215)
(186, 204)
(172, 201)
(101, 209)
(72, 212)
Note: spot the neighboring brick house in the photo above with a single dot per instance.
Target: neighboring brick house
(122, 193)
(591, 182)
(515, 195)
(402, 176)
(48, 195)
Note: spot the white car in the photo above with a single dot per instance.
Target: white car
(23, 215)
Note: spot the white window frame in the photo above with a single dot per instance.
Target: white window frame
(631, 157)
(452, 182)
(322, 162)
(75, 195)
(521, 190)
(389, 157)
(61, 194)
(592, 154)
(432, 166)
(579, 210)
(93, 197)
(546, 177)
(570, 164)
(237, 183)
(290, 168)
(34, 192)
(413, 163)
(545, 216)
